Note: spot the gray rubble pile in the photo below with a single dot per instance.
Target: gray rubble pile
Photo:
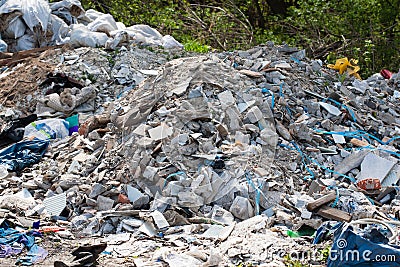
(215, 159)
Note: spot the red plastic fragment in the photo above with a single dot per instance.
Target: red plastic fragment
(386, 74)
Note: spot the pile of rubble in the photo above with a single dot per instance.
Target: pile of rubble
(230, 158)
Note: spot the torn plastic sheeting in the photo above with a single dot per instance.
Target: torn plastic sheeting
(59, 29)
(26, 42)
(353, 250)
(34, 12)
(16, 28)
(105, 23)
(11, 132)
(12, 242)
(68, 10)
(23, 154)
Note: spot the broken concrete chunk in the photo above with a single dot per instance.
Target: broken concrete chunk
(150, 172)
(137, 198)
(97, 189)
(330, 108)
(254, 114)
(142, 129)
(104, 203)
(241, 208)
(374, 166)
(226, 98)
(159, 220)
(350, 162)
(283, 131)
(160, 132)
(222, 216)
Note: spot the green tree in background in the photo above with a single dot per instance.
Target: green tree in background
(367, 30)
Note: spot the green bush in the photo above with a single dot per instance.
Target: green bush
(367, 30)
(364, 29)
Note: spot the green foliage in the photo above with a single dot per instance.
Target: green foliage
(368, 30)
(325, 253)
(364, 29)
(195, 46)
(289, 262)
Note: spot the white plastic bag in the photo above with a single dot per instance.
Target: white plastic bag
(26, 42)
(16, 28)
(144, 34)
(47, 129)
(59, 29)
(121, 26)
(68, 10)
(104, 23)
(81, 36)
(169, 42)
(146, 31)
(35, 12)
(93, 14)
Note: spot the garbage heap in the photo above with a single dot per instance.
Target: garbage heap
(30, 24)
(244, 157)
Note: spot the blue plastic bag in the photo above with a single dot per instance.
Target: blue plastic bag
(364, 249)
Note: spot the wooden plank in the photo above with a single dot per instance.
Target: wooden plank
(334, 214)
(321, 201)
(385, 192)
(18, 56)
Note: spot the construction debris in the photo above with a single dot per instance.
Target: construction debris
(182, 159)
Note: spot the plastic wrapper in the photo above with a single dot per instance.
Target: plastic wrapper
(104, 23)
(15, 29)
(68, 10)
(35, 12)
(59, 29)
(169, 42)
(47, 129)
(81, 36)
(26, 42)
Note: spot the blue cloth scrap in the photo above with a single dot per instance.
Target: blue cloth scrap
(12, 242)
(23, 154)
